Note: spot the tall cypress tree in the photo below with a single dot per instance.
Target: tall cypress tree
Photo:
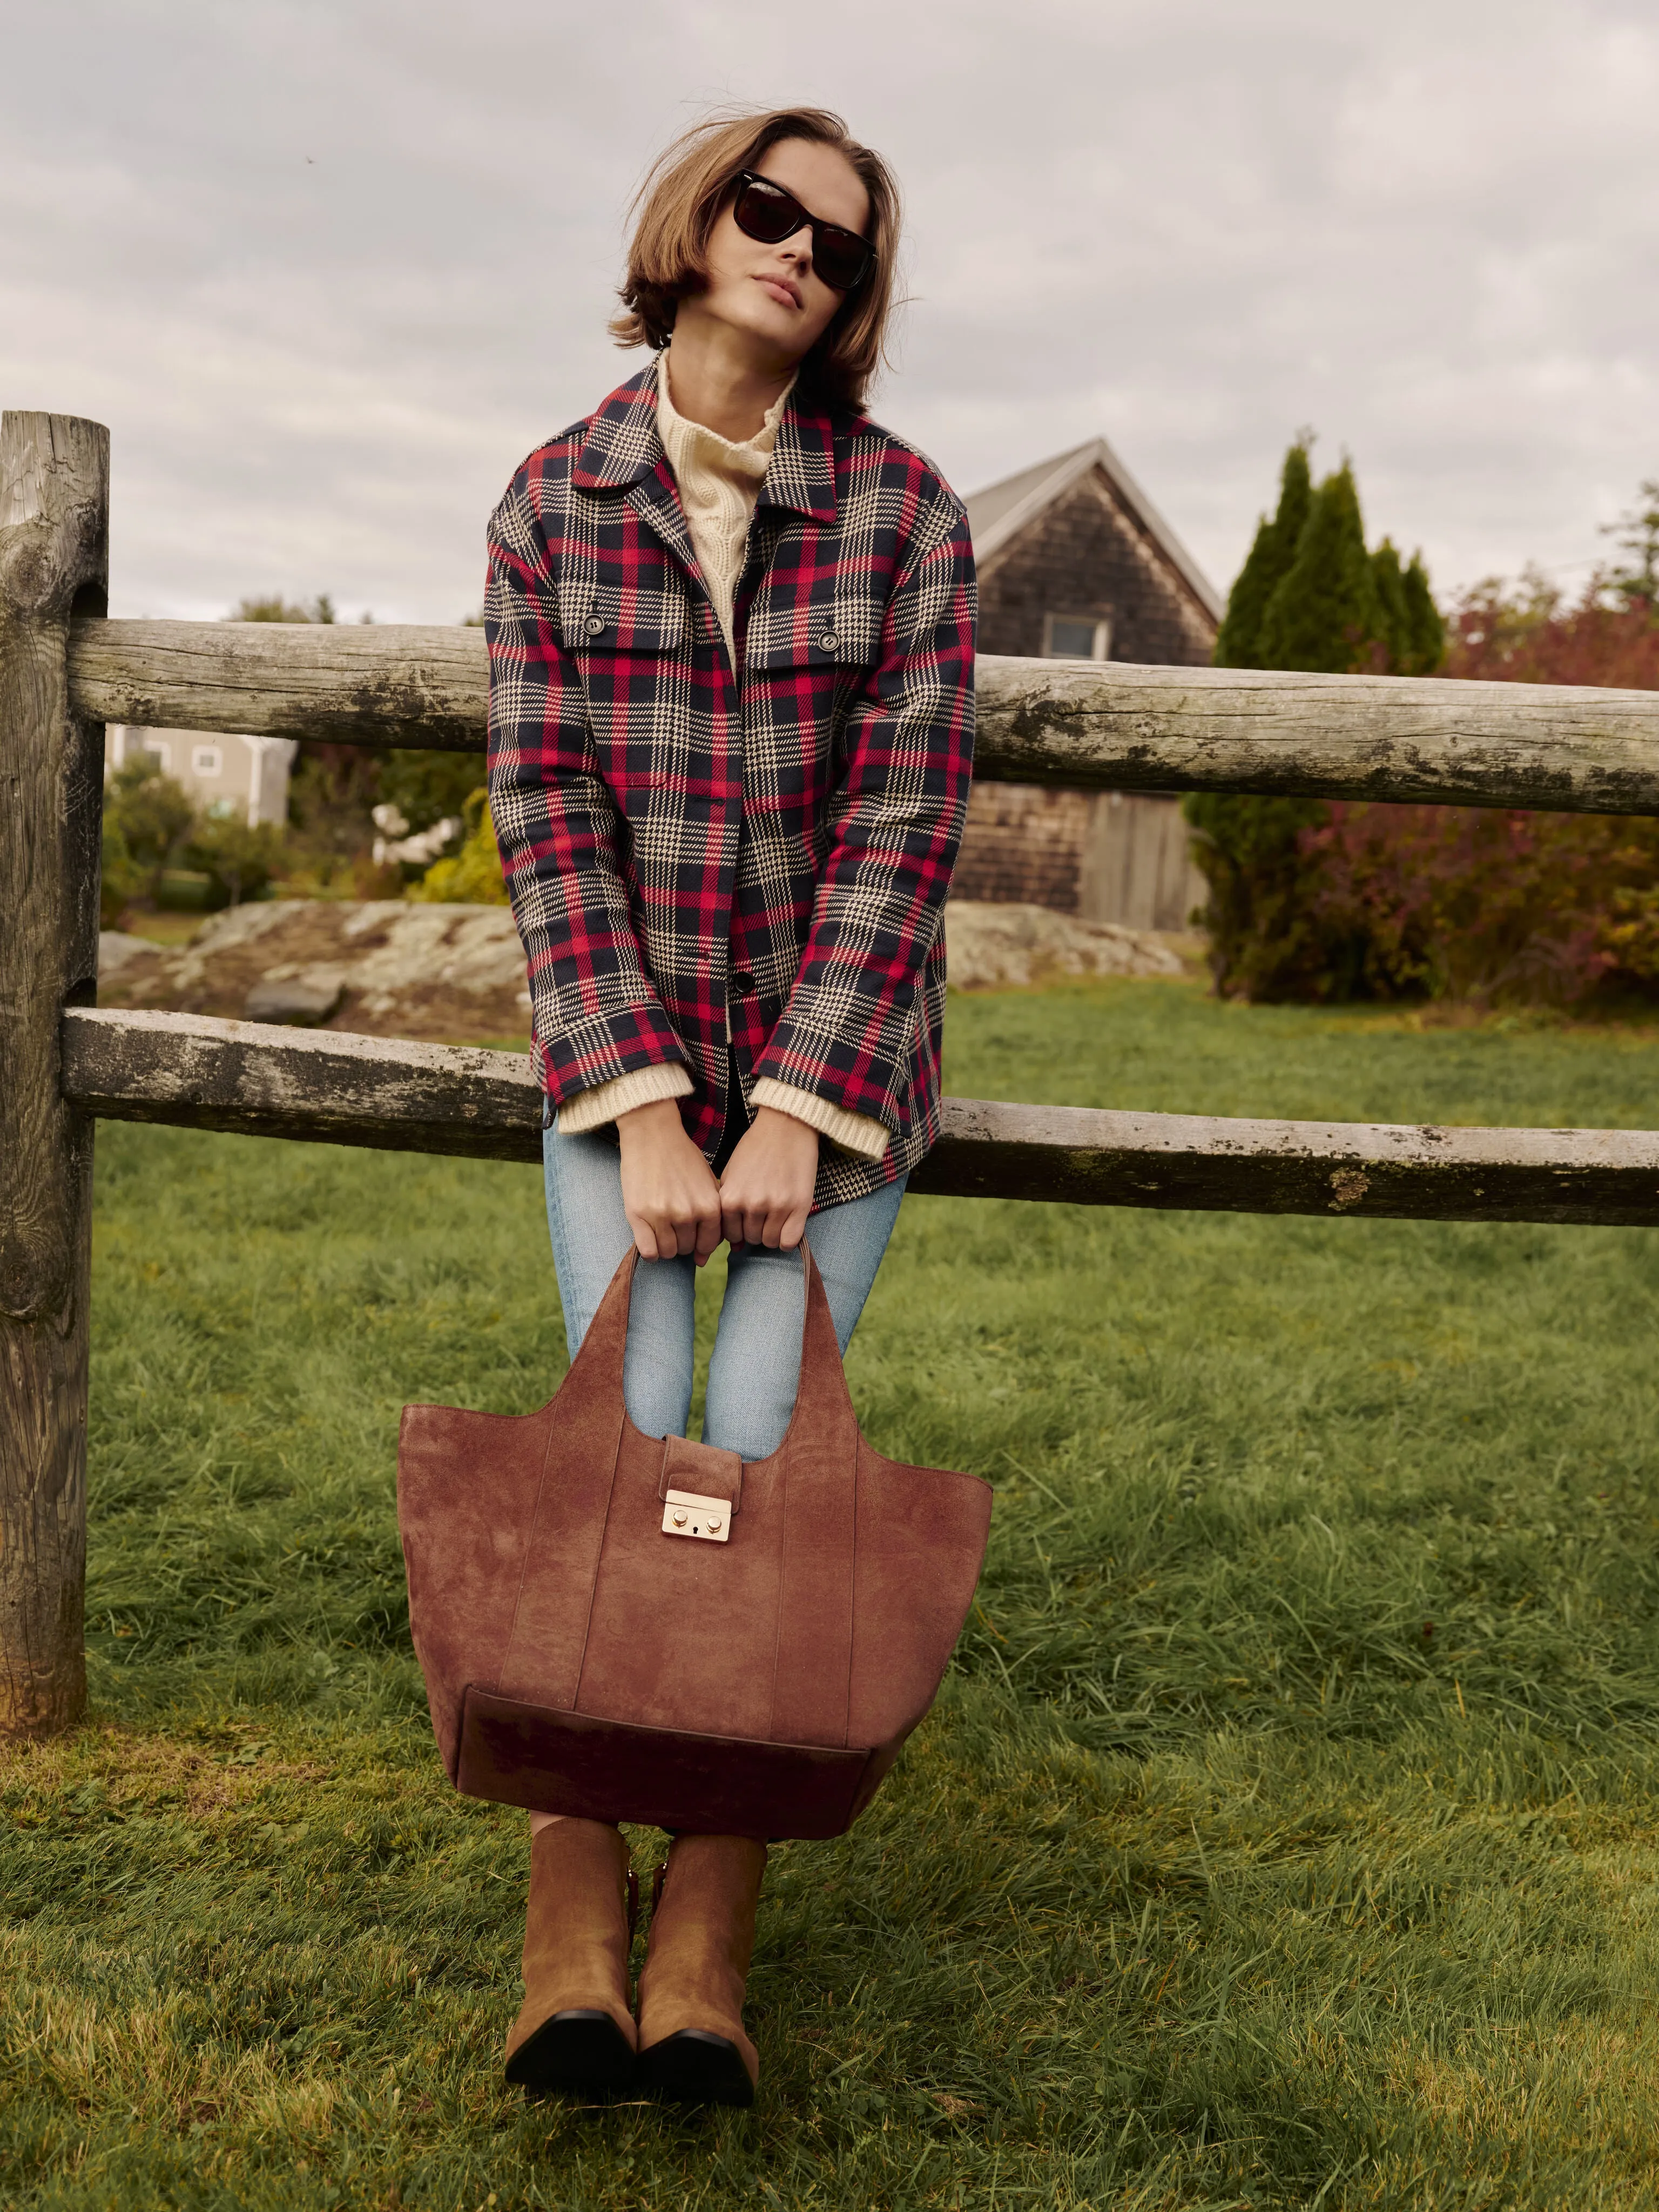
(1425, 626)
(1393, 627)
(1245, 847)
(1238, 645)
(1308, 597)
(1323, 615)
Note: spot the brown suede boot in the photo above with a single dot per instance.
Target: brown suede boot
(692, 2046)
(574, 2030)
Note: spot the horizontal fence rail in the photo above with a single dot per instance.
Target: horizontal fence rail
(1105, 725)
(204, 1074)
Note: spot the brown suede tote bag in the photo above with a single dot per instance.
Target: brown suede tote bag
(638, 1628)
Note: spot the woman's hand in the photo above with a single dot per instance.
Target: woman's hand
(766, 1192)
(669, 1192)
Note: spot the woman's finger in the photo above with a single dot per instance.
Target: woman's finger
(690, 1230)
(794, 1228)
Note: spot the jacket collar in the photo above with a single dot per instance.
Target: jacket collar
(623, 447)
(801, 473)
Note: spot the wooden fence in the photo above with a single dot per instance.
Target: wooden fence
(65, 670)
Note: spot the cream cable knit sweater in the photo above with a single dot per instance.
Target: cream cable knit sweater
(719, 484)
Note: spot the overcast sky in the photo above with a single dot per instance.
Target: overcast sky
(329, 270)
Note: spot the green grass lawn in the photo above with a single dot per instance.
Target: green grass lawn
(1284, 1834)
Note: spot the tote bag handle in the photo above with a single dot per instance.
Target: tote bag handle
(824, 1406)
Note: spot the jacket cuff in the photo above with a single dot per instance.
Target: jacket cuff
(640, 1086)
(857, 1133)
(579, 1056)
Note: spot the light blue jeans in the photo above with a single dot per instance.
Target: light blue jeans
(756, 1368)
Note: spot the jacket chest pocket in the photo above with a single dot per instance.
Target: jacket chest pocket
(844, 634)
(646, 614)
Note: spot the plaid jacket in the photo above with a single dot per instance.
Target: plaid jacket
(696, 851)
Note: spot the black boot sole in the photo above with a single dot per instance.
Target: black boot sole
(694, 2067)
(580, 2052)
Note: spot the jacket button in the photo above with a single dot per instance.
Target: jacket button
(744, 979)
(829, 642)
(595, 625)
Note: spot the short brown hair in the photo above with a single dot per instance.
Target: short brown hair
(676, 206)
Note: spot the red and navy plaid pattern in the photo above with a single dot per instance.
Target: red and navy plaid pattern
(695, 850)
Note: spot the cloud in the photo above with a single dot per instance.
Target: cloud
(329, 270)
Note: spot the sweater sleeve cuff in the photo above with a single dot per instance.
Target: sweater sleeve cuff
(867, 1139)
(640, 1086)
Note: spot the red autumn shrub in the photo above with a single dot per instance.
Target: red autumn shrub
(1490, 905)
(1527, 634)
(1486, 904)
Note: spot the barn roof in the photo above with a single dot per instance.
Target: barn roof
(999, 513)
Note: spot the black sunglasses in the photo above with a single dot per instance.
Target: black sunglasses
(765, 211)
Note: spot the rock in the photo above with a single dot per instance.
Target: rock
(303, 1002)
(990, 948)
(395, 946)
(394, 967)
(116, 951)
(405, 968)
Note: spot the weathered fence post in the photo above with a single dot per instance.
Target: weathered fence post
(54, 561)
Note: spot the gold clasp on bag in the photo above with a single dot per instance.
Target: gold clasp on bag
(685, 1513)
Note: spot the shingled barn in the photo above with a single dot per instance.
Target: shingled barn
(1075, 563)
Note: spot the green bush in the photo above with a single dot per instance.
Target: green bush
(146, 817)
(158, 850)
(121, 881)
(241, 858)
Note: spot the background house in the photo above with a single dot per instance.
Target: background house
(1075, 563)
(223, 774)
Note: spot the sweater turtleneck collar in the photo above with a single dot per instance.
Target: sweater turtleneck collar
(693, 445)
(720, 483)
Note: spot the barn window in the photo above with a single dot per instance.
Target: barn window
(207, 760)
(1076, 637)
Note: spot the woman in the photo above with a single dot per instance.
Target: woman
(730, 627)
